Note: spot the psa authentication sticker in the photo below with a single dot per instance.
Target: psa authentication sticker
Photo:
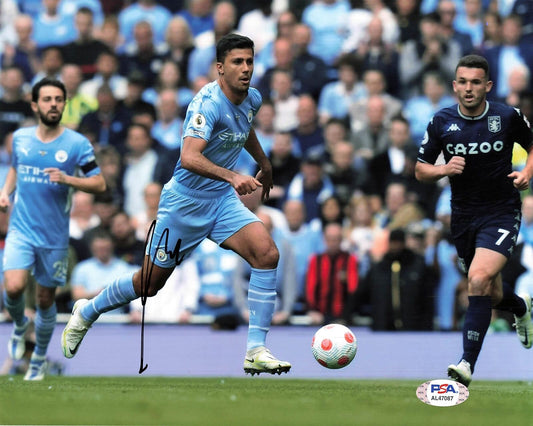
(442, 393)
(198, 121)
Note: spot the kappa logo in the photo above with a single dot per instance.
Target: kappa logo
(454, 128)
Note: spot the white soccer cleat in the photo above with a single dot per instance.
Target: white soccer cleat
(260, 360)
(16, 345)
(36, 368)
(461, 372)
(523, 324)
(75, 330)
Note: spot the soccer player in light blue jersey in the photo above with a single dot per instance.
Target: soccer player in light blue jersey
(49, 162)
(201, 201)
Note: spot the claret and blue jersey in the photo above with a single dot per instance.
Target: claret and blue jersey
(486, 142)
(225, 126)
(41, 208)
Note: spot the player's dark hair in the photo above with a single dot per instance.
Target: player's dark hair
(474, 61)
(230, 42)
(47, 82)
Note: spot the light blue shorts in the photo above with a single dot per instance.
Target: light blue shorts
(48, 266)
(187, 216)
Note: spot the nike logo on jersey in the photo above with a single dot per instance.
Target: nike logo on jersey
(453, 128)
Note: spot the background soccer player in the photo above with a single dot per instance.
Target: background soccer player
(476, 138)
(200, 201)
(44, 168)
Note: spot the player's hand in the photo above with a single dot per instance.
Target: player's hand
(455, 166)
(265, 177)
(520, 180)
(245, 184)
(56, 175)
(4, 202)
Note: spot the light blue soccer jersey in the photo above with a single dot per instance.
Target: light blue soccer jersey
(225, 126)
(41, 208)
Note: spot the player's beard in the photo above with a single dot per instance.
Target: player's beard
(50, 122)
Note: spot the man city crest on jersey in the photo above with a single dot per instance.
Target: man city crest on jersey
(495, 123)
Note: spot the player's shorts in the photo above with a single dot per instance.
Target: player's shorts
(497, 232)
(187, 216)
(47, 265)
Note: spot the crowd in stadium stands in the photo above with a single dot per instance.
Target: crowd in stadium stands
(348, 89)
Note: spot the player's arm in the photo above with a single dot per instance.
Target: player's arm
(430, 173)
(522, 177)
(8, 188)
(254, 148)
(93, 184)
(193, 159)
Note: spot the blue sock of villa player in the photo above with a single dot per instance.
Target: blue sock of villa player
(511, 302)
(15, 307)
(45, 322)
(477, 321)
(119, 293)
(261, 301)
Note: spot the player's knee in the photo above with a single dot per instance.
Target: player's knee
(14, 288)
(479, 283)
(267, 258)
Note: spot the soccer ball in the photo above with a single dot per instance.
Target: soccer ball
(334, 346)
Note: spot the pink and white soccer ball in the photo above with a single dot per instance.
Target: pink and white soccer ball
(334, 346)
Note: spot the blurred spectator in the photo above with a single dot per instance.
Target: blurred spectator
(311, 185)
(82, 215)
(109, 34)
(308, 135)
(22, 52)
(331, 280)
(127, 246)
(8, 14)
(519, 80)
(420, 109)
(169, 77)
(526, 227)
(524, 8)
(167, 129)
(51, 63)
(89, 276)
(305, 242)
(106, 68)
(337, 96)
(77, 104)
(356, 25)
(264, 125)
(393, 163)
(335, 131)
(51, 27)
(285, 166)
(259, 24)
(133, 101)
(85, 49)
(398, 289)
(346, 179)
(284, 100)
(71, 7)
(110, 162)
(108, 123)
(470, 22)
(142, 220)
(311, 72)
(328, 22)
(105, 207)
(447, 13)
(360, 231)
(225, 19)
(492, 31)
(374, 85)
(142, 55)
(148, 11)
(218, 270)
(14, 109)
(389, 22)
(512, 52)
(408, 17)
(372, 139)
(175, 302)
(140, 164)
(374, 52)
(179, 46)
(330, 210)
(430, 53)
(199, 15)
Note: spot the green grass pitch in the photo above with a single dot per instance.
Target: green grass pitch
(252, 401)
